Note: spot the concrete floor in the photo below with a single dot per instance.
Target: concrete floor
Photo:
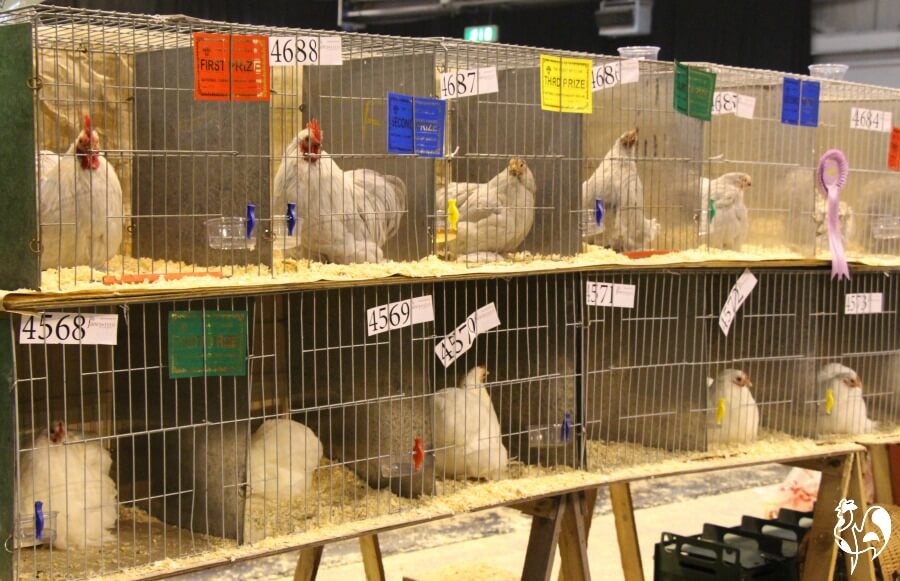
(498, 538)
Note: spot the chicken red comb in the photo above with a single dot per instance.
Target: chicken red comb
(87, 122)
(315, 130)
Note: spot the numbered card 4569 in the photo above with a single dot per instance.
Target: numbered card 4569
(69, 329)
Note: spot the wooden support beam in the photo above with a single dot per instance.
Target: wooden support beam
(308, 564)
(590, 502)
(371, 556)
(573, 540)
(626, 531)
(542, 543)
(865, 568)
(821, 551)
(881, 473)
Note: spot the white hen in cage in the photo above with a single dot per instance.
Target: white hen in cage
(735, 419)
(467, 436)
(71, 477)
(494, 217)
(283, 456)
(842, 409)
(617, 185)
(81, 204)
(730, 222)
(348, 217)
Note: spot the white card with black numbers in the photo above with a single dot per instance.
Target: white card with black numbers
(454, 345)
(481, 81)
(611, 74)
(285, 51)
(739, 293)
(400, 314)
(69, 329)
(607, 294)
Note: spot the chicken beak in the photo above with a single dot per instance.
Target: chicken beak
(515, 167)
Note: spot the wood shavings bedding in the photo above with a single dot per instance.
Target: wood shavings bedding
(290, 271)
(343, 506)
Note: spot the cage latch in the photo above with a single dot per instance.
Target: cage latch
(35, 83)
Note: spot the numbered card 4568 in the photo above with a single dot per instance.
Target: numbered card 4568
(69, 329)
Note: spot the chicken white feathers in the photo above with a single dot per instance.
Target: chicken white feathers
(730, 224)
(495, 217)
(347, 218)
(81, 205)
(467, 433)
(735, 415)
(617, 184)
(842, 409)
(283, 456)
(71, 477)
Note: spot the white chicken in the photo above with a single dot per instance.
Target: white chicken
(494, 217)
(799, 186)
(347, 217)
(70, 477)
(81, 205)
(467, 434)
(730, 222)
(618, 186)
(842, 409)
(736, 416)
(283, 456)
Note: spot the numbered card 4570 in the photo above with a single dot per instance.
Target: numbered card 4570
(69, 329)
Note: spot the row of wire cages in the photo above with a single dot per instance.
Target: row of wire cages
(718, 361)
(167, 147)
(769, 135)
(215, 422)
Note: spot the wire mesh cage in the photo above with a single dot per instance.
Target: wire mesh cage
(642, 160)
(511, 169)
(219, 422)
(856, 355)
(858, 120)
(169, 145)
(760, 158)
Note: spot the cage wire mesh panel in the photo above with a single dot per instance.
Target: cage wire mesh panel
(644, 372)
(858, 119)
(770, 162)
(511, 168)
(531, 360)
(642, 160)
(662, 379)
(857, 354)
(216, 422)
(350, 104)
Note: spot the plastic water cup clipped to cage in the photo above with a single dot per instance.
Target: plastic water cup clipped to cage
(397, 465)
(552, 436)
(36, 529)
(833, 71)
(230, 234)
(886, 228)
(649, 53)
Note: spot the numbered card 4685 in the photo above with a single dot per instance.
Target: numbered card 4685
(69, 329)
